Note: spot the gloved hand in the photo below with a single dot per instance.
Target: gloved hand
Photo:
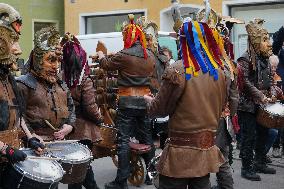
(34, 143)
(14, 155)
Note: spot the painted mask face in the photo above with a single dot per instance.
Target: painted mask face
(265, 46)
(50, 65)
(9, 48)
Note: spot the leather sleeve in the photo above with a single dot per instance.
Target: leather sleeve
(233, 97)
(89, 105)
(115, 62)
(24, 91)
(248, 86)
(171, 89)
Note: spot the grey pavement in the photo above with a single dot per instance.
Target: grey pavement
(105, 171)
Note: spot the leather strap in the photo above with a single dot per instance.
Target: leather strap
(133, 91)
(201, 140)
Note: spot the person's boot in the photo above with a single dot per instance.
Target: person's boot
(263, 168)
(148, 180)
(268, 159)
(90, 182)
(276, 153)
(116, 185)
(250, 174)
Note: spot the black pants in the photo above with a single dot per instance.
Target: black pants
(279, 139)
(89, 182)
(2, 169)
(132, 122)
(182, 183)
(254, 137)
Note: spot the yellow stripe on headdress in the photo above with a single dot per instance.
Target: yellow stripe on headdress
(191, 68)
(202, 42)
(228, 61)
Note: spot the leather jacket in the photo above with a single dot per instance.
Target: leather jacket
(88, 116)
(133, 71)
(194, 107)
(255, 82)
(9, 103)
(43, 101)
(160, 66)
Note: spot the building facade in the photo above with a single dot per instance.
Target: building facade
(37, 14)
(102, 16)
(272, 11)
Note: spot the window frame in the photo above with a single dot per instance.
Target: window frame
(83, 17)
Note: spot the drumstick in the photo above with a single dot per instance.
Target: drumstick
(49, 124)
(53, 149)
(61, 141)
(44, 158)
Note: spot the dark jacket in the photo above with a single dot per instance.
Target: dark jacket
(133, 71)
(255, 82)
(160, 66)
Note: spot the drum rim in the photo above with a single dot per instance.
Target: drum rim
(40, 179)
(75, 162)
(264, 108)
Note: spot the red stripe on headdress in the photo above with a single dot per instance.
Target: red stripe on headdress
(212, 44)
(195, 63)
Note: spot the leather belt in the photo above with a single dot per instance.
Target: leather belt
(134, 91)
(201, 140)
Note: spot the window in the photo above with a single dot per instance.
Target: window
(107, 23)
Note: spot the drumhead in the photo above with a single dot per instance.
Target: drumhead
(44, 171)
(74, 153)
(275, 109)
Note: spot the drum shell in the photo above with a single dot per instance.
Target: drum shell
(75, 173)
(268, 120)
(100, 152)
(75, 170)
(109, 137)
(13, 178)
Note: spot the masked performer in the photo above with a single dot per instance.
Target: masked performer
(228, 123)
(49, 106)
(151, 32)
(135, 65)
(11, 102)
(88, 117)
(255, 84)
(193, 93)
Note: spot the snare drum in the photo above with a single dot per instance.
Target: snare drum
(34, 174)
(271, 115)
(75, 160)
